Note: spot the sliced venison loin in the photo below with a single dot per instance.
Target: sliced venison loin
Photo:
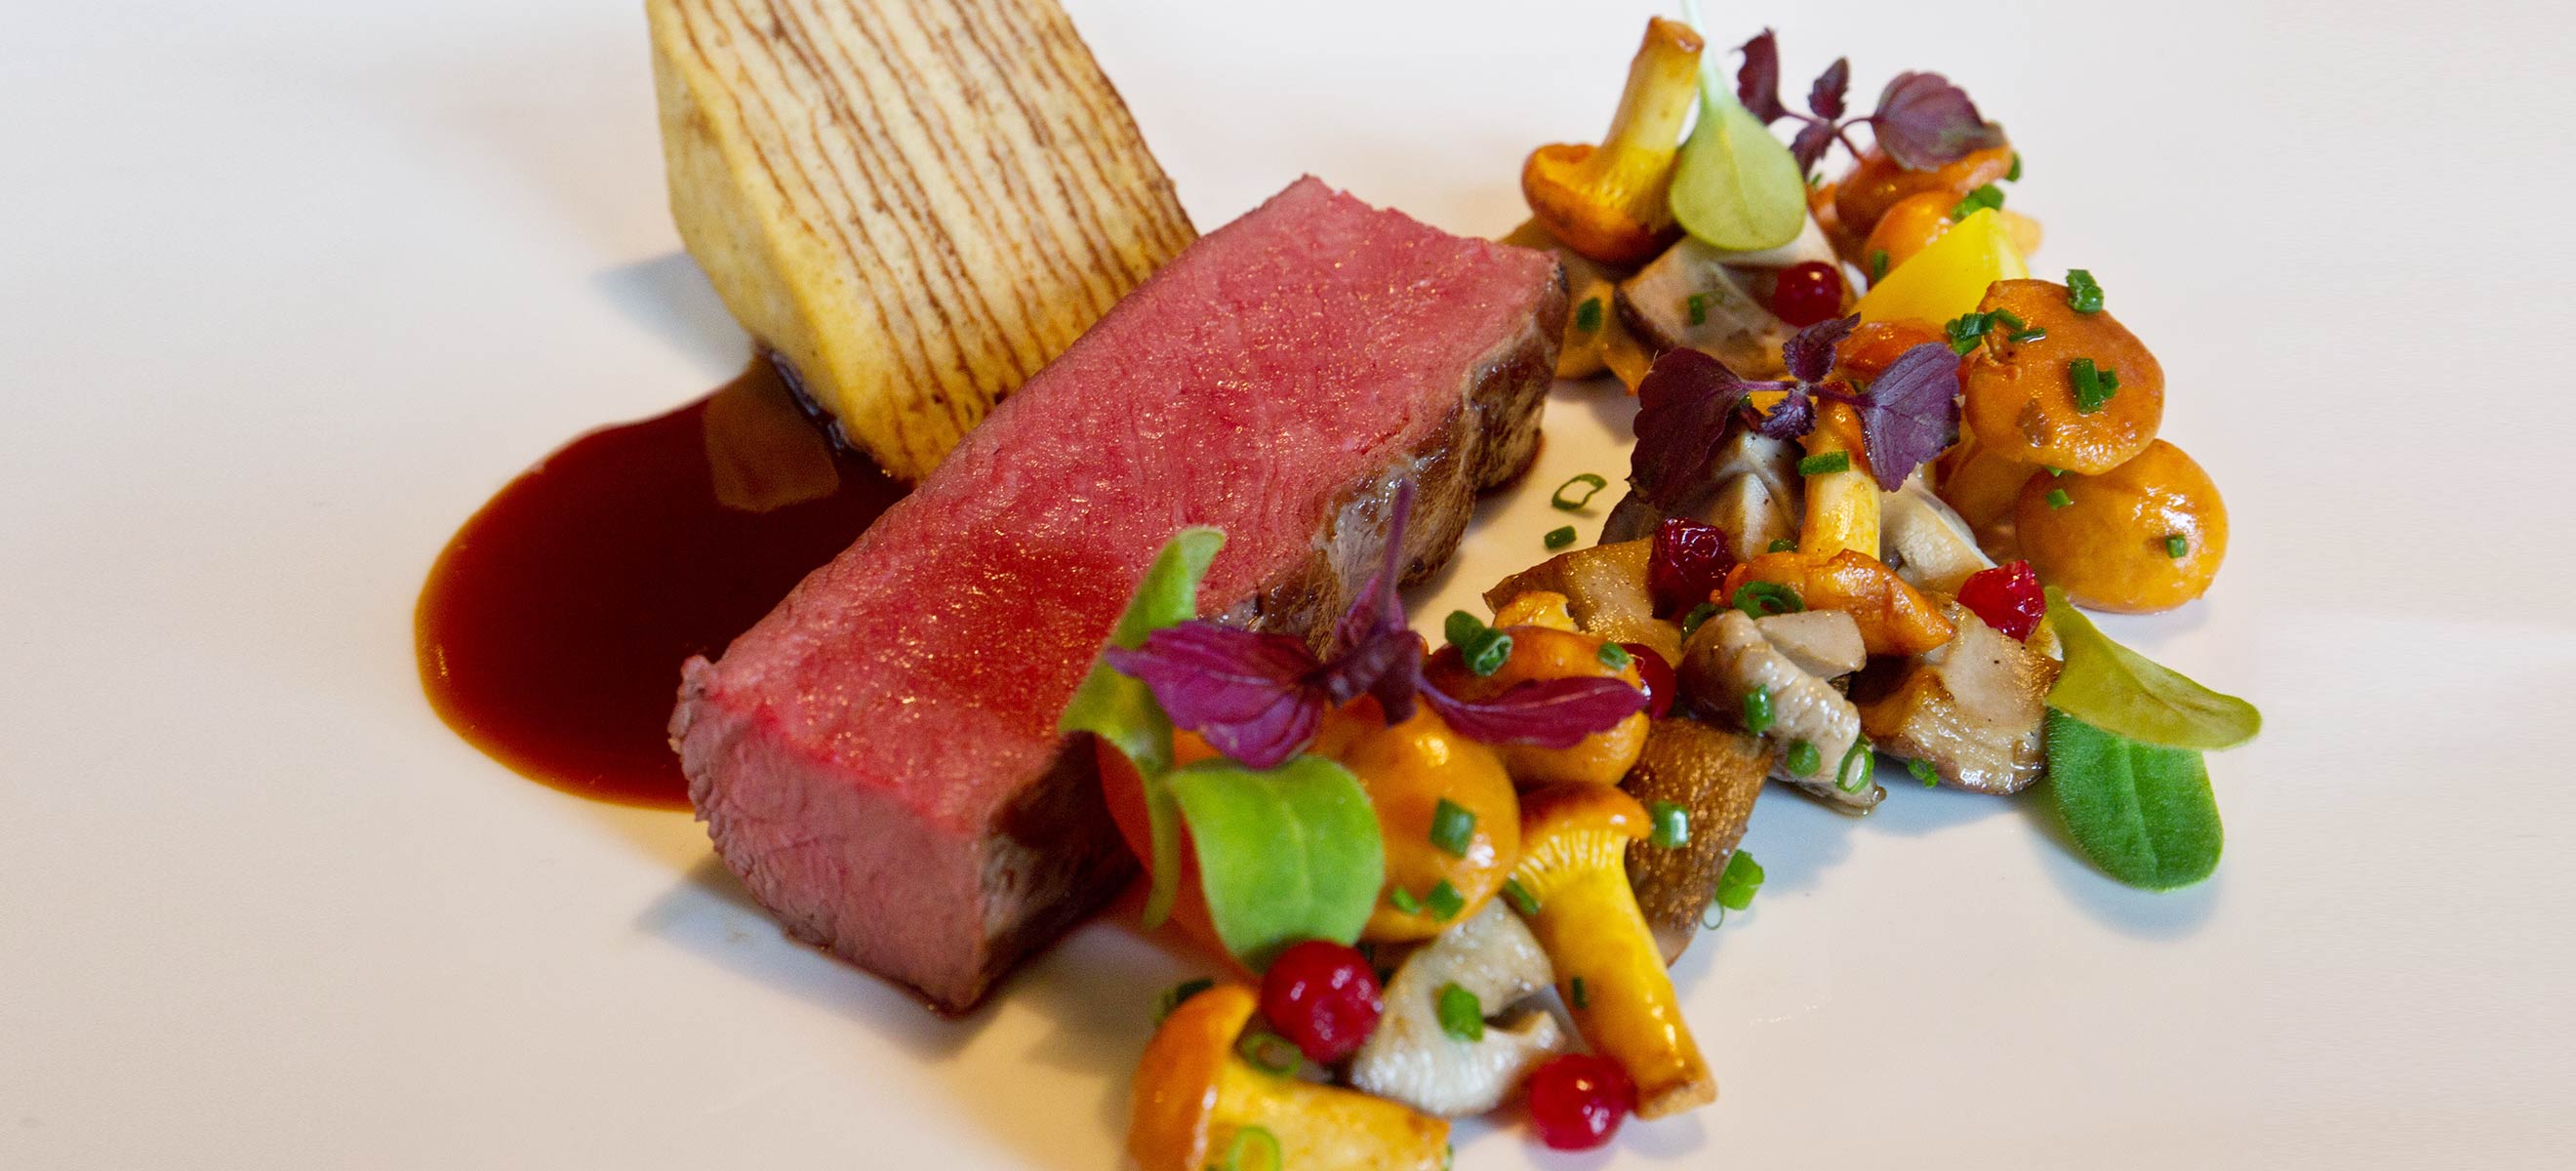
(877, 759)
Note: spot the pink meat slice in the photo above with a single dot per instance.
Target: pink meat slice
(878, 760)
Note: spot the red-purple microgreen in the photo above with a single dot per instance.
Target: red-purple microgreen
(1922, 121)
(1259, 697)
(1687, 399)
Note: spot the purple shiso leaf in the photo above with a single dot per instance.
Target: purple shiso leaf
(1682, 408)
(1757, 82)
(1809, 145)
(1794, 415)
(1825, 97)
(1550, 713)
(1809, 353)
(1924, 122)
(1911, 412)
(1253, 695)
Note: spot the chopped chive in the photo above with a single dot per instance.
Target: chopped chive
(1519, 897)
(1594, 481)
(1403, 900)
(1462, 1016)
(1825, 463)
(1587, 316)
(1576, 993)
(1558, 538)
(1698, 614)
(2057, 498)
(1877, 265)
(1743, 877)
(1484, 648)
(2053, 473)
(1803, 758)
(1923, 771)
(2083, 293)
(2014, 175)
(1242, 1145)
(2093, 387)
(1453, 827)
(1444, 902)
(2176, 545)
(1613, 656)
(1983, 197)
(1783, 545)
(1174, 996)
(1844, 777)
(2024, 337)
(1697, 303)
(1757, 711)
(1761, 599)
(1269, 1052)
(1966, 330)
(2005, 318)
(1672, 825)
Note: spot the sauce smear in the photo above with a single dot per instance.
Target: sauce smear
(551, 631)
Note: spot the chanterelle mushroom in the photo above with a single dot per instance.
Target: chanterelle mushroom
(1194, 1094)
(1610, 202)
(1727, 661)
(1412, 1060)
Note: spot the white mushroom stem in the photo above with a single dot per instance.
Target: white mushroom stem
(1411, 1059)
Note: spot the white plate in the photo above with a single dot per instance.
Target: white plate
(290, 288)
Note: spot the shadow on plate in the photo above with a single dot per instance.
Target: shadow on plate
(668, 297)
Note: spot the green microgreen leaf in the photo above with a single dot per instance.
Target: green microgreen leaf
(2144, 814)
(1287, 854)
(1735, 186)
(2125, 693)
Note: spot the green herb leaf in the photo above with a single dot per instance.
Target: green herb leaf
(1559, 538)
(1589, 480)
(1288, 854)
(2143, 814)
(1462, 1016)
(1742, 879)
(1484, 648)
(1453, 827)
(2125, 693)
(1735, 186)
(1672, 826)
(1122, 712)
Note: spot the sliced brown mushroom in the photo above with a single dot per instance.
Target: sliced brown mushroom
(1688, 297)
(1492, 957)
(1605, 592)
(1971, 708)
(1713, 775)
(1823, 643)
(1727, 659)
(1924, 541)
(1753, 495)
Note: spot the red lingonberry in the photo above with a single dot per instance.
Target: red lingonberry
(1576, 1102)
(2008, 597)
(1688, 562)
(1807, 293)
(1658, 676)
(1323, 997)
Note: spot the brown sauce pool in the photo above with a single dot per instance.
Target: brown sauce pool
(551, 631)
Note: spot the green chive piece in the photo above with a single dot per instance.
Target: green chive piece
(1577, 993)
(1239, 1151)
(1757, 711)
(1825, 463)
(1613, 656)
(1672, 825)
(1698, 306)
(2026, 336)
(1453, 827)
(1559, 538)
(2005, 318)
(2176, 545)
(2014, 175)
(1743, 877)
(1174, 996)
(1966, 330)
(1784, 545)
(1923, 771)
(1269, 1052)
(2054, 473)
(1587, 316)
(1444, 902)
(1761, 599)
(2093, 387)
(1519, 897)
(2057, 498)
(1803, 758)
(1877, 265)
(1462, 1016)
(1483, 647)
(1592, 480)
(1983, 197)
(1403, 900)
(1845, 777)
(1698, 614)
(2083, 293)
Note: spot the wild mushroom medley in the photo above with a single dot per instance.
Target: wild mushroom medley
(1877, 464)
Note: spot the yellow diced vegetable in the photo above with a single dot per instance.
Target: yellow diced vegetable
(1950, 276)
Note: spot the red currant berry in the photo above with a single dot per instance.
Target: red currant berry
(1323, 997)
(1807, 293)
(1658, 675)
(1688, 561)
(2008, 597)
(1576, 1102)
